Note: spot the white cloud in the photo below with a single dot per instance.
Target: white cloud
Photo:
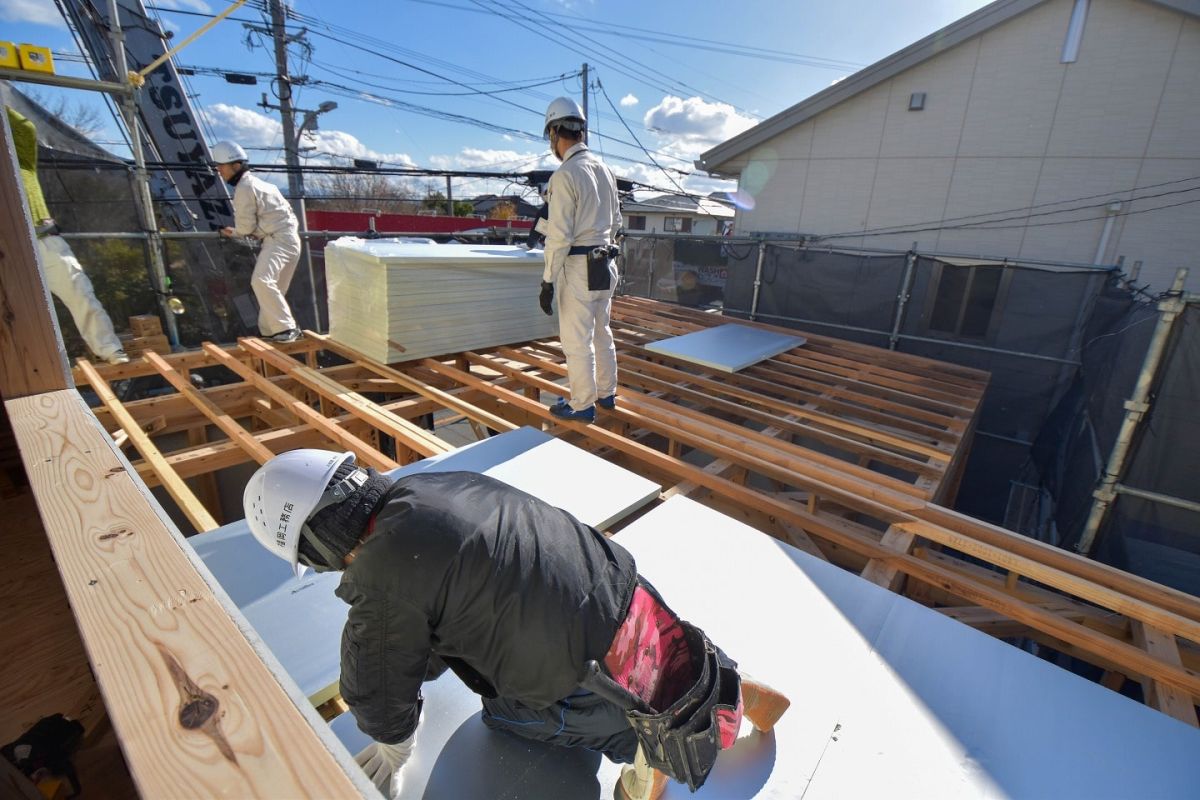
(695, 124)
(252, 129)
(629, 100)
(186, 5)
(38, 12)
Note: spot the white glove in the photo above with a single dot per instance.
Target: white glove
(382, 763)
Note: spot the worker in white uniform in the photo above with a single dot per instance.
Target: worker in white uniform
(64, 274)
(261, 212)
(585, 216)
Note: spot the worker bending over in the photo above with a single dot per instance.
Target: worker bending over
(585, 215)
(64, 274)
(260, 211)
(538, 613)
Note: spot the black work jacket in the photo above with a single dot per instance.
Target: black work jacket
(514, 594)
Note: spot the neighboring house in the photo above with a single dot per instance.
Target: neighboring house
(487, 205)
(668, 213)
(1070, 127)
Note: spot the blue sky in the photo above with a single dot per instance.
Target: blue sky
(683, 75)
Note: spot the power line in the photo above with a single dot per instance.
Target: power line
(681, 40)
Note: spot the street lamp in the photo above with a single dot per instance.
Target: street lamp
(310, 117)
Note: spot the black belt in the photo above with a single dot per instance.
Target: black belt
(582, 249)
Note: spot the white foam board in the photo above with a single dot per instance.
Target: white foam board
(432, 299)
(910, 703)
(596, 492)
(727, 348)
(273, 599)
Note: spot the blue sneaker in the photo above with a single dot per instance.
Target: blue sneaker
(607, 403)
(562, 409)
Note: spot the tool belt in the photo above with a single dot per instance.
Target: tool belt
(598, 258)
(682, 741)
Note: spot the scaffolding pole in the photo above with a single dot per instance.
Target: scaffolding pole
(141, 180)
(1135, 411)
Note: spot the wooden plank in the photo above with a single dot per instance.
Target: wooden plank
(1065, 581)
(405, 433)
(1170, 599)
(446, 399)
(367, 455)
(1165, 698)
(239, 435)
(191, 507)
(883, 573)
(32, 358)
(196, 710)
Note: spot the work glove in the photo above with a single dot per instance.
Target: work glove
(545, 297)
(382, 763)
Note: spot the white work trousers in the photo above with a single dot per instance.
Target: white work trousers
(70, 284)
(270, 280)
(583, 329)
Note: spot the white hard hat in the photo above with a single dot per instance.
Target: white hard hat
(228, 152)
(565, 112)
(285, 492)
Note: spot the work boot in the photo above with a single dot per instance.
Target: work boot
(290, 335)
(562, 409)
(607, 403)
(761, 704)
(119, 357)
(640, 781)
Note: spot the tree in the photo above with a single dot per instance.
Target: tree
(436, 201)
(83, 118)
(361, 191)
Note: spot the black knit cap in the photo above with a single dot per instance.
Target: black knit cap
(339, 528)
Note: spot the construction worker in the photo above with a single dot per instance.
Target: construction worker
(64, 274)
(260, 211)
(538, 613)
(585, 215)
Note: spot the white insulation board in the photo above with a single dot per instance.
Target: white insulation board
(432, 299)
(272, 598)
(890, 698)
(727, 348)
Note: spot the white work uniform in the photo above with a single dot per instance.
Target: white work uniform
(584, 210)
(259, 210)
(70, 284)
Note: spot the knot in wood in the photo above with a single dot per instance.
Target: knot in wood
(195, 713)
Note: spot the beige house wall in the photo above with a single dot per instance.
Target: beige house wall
(1007, 126)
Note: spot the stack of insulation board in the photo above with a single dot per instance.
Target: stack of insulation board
(396, 301)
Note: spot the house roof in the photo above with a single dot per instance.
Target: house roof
(940, 41)
(670, 203)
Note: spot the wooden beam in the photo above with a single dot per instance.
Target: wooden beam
(197, 711)
(1165, 698)
(406, 434)
(367, 455)
(446, 399)
(883, 573)
(191, 507)
(32, 358)
(209, 409)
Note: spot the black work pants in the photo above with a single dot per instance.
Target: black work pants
(583, 719)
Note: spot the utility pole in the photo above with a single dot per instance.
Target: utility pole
(449, 198)
(290, 143)
(585, 99)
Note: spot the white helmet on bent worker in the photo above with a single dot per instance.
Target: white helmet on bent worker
(563, 112)
(228, 153)
(287, 491)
